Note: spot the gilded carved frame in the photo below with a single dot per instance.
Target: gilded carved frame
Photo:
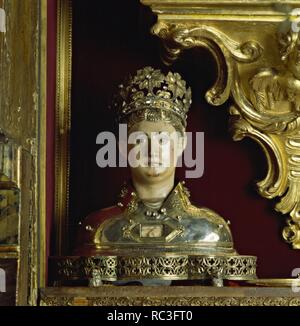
(62, 122)
(254, 44)
(23, 132)
(238, 60)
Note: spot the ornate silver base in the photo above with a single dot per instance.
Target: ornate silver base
(174, 267)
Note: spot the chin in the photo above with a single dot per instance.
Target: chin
(150, 174)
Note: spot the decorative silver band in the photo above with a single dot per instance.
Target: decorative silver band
(126, 268)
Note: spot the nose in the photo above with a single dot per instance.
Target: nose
(154, 149)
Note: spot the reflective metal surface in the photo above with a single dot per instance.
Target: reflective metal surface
(132, 242)
(177, 227)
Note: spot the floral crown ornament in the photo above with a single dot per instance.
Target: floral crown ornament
(153, 96)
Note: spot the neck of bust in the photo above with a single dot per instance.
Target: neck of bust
(153, 194)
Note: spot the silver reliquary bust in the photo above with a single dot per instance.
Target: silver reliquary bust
(154, 233)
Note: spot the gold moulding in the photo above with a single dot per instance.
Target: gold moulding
(276, 282)
(257, 68)
(163, 267)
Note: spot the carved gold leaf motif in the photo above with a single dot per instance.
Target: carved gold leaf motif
(266, 96)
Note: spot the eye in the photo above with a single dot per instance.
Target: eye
(163, 140)
(140, 141)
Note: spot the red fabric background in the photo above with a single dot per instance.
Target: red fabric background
(113, 40)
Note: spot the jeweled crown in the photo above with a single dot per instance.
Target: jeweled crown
(152, 95)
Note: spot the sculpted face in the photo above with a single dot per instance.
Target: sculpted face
(154, 148)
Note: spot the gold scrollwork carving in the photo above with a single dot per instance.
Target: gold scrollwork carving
(226, 52)
(274, 96)
(266, 106)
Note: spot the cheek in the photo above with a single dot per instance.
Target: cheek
(136, 153)
(172, 151)
(167, 155)
(172, 154)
